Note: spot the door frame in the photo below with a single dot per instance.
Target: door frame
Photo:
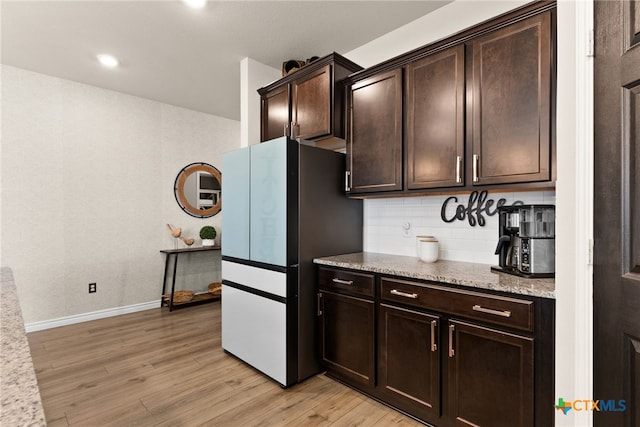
(574, 202)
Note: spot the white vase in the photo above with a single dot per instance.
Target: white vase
(208, 242)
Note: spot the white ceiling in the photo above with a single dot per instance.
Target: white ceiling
(185, 57)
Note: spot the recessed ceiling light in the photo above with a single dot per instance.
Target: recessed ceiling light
(108, 60)
(195, 4)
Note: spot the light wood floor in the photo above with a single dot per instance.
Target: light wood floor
(156, 368)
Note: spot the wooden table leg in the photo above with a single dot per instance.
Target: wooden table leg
(164, 278)
(173, 281)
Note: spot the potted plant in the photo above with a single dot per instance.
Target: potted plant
(208, 234)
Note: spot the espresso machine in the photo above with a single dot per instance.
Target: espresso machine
(526, 243)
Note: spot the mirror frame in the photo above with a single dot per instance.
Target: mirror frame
(178, 190)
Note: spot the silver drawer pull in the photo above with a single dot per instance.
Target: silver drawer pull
(504, 313)
(343, 282)
(434, 346)
(452, 330)
(403, 294)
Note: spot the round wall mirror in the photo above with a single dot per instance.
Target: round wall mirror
(198, 190)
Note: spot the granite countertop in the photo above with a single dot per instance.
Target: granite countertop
(452, 272)
(21, 403)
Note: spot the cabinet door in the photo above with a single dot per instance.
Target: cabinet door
(512, 103)
(490, 377)
(347, 337)
(435, 120)
(311, 104)
(275, 113)
(235, 187)
(374, 133)
(409, 360)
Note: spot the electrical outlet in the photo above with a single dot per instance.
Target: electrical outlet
(406, 229)
(92, 288)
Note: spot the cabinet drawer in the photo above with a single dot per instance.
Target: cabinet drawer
(505, 311)
(346, 281)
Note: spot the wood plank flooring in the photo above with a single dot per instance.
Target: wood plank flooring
(155, 368)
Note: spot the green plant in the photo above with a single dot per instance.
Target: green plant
(208, 232)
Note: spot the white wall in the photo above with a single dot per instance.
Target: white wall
(87, 188)
(574, 274)
(439, 24)
(253, 76)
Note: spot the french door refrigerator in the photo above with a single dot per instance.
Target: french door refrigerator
(284, 205)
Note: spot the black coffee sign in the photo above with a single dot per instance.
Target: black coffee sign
(477, 206)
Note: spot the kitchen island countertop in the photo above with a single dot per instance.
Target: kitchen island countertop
(21, 403)
(450, 272)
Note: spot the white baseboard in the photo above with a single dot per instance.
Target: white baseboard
(94, 315)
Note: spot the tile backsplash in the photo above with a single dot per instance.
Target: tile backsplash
(459, 241)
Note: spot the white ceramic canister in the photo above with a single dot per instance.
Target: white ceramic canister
(429, 250)
(419, 239)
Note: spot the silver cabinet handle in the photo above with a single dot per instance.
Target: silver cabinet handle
(403, 294)
(476, 161)
(434, 346)
(319, 304)
(347, 176)
(286, 130)
(502, 313)
(343, 282)
(458, 169)
(452, 329)
(295, 130)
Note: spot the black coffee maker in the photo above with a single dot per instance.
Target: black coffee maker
(508, 249)
(526, 240)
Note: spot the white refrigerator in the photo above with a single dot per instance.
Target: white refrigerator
(284, 205)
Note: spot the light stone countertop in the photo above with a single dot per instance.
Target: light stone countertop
(452, 272)
(21, 403)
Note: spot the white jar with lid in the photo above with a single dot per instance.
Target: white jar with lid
(429, 250)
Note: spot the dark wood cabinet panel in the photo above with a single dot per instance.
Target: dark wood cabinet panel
(514, 313)
(347, 335)
(311, 104)
(347, 282)
(374, 133)
(511, 108)
(409, 360)
(490, 377)
(434, 114)
(275, 113)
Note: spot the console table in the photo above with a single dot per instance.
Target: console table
(173, 253)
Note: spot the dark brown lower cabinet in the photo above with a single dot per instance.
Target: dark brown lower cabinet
(409, 360)
(347, 335)
(490, 377)
(449, 357)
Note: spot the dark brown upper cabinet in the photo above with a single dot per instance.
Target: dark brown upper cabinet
(275, 113)
(309, 103)
(434, 114)
(476, 109)
(374, 133)
(511, 103)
